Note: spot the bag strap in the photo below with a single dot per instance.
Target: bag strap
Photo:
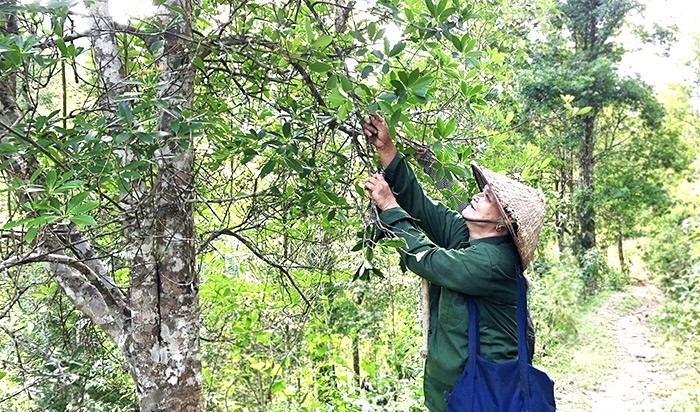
(521, 315)
(474, 348)
(520, 318)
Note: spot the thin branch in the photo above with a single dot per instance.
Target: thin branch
(262, 257)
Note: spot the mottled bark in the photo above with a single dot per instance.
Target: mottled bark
(165, 346)
(155, 325)
(8, 85)
(105, 52)
(356, 361)
(20, 166)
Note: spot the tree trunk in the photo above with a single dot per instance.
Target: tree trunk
(558, 220)
(155, 325)
(164, 348)
(356, 361)
(586, 209)
(620, 251)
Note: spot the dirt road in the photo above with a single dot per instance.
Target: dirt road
(621, 352)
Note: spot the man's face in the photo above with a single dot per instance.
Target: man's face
(482, 206)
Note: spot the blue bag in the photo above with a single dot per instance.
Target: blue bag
(512, 386)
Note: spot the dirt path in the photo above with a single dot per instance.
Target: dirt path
(616, 369)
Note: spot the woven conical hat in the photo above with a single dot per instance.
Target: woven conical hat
(523, 204)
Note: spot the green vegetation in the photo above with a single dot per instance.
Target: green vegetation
(189, 188)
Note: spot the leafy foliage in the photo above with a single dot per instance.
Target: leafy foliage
(303, 306)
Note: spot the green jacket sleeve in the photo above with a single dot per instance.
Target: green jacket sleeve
(481, 269)
(444, 226)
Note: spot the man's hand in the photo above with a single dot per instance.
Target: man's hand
(377, 133)
(379, 190)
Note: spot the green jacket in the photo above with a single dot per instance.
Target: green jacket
(456, 268)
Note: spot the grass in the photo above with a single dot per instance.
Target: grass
(681, 355)
(580, 363)
(628, 304)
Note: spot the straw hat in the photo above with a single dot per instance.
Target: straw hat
(518, 202)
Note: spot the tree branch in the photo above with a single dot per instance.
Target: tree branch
(87, 297)
(262, 257)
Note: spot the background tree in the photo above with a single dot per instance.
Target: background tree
(578, 63)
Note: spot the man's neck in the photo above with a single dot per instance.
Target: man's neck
(477, 231)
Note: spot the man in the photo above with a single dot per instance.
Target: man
(472, 254)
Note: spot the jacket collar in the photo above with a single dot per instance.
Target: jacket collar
(495, 240)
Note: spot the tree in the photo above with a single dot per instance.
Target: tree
(584, 70)
(155, 325)
(202, 128)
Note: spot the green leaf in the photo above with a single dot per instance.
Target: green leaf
(73, 184)
(198, 62)
(322, 42)
(6, 148)
(42, 220)
(295, 165)
(342, 113)
(396, 242)
(431, 7)
(51, 178)
(61, 44)
(145, 137)
(332, 82)
(440, 7)
(161, 104)
(309, 30)
(398, 48)
(583, 111)
(320, 67)
(337, 98)
(358, 246)
(156, 46)
(277, 387)
(269, 167)
(126, 113)
(457, 42)
(84, 207)
(76, 200)
(509, 117)
(287, 129)
(372, 29)
(83, 220)
(395, 117)
(359, 189)
(447, 13)
(323, 198)
(31, 234)
(450, 127)
(469, 44)
(14, 223)
(377, 272)
(345, 83)
(420, 88)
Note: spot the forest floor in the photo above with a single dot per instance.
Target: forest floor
(617, 365)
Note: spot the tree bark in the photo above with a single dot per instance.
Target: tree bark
(621, 251)
(164, 348)
(586, 209)
(105, 52)
(356, 361)
(156, 324)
